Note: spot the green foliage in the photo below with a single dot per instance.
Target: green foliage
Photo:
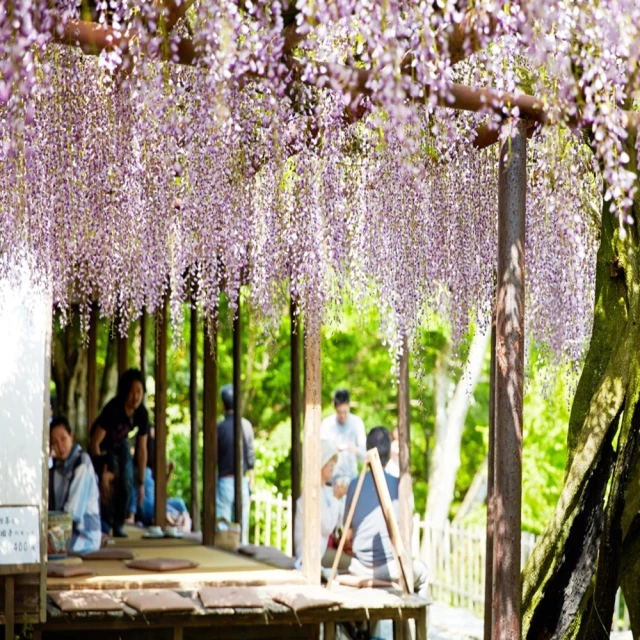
(546, 416)
(354, 356)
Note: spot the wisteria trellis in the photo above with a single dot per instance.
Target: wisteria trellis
(128, 174)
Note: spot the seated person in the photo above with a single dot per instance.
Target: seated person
(331, 508)
(73, 488)
(369, 538)
(177, 512)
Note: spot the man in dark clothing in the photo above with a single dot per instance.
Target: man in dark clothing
(225, 494)
(110, 450)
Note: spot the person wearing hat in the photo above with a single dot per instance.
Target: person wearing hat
(225, 493)
(331, 501)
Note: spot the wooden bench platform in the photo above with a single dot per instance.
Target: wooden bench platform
(215, 568)
(275, 621)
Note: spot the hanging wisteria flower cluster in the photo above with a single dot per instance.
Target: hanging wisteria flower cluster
(306, 148)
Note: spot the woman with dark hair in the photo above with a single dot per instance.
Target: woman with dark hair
(73, 487)
(109, 448)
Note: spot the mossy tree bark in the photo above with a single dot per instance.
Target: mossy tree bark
(590, 545)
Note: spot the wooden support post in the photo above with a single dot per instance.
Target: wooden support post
(210, 434)
(507, 589)
(405, 489)
(421, 624)
(311, 454)
(488, 568)
(92, 352)
(178, 633)
(161, 416)
(9, 608)
(329, 630)
(193, 409)
(238, 454)
(123, 354)
(296, 406)
(143, 344)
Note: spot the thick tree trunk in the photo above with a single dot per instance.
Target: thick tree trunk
(450, 419)
(109, 379)
(591, 543)
(68, 371)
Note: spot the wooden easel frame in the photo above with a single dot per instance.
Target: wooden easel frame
(372, 461)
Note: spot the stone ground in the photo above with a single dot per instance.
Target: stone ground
(448, 623)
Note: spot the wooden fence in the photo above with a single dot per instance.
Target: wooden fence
(271, 521)
(454, 554)
(456, 557)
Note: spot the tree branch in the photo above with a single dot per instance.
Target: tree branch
(173, 11)
(93, 38)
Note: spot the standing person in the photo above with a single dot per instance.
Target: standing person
(225, 494)
(73, 487)
(347, 435)
(110, 450)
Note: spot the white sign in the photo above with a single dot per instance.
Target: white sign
(19, 535)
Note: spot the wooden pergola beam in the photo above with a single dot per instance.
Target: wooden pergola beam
(93, 38)
(209, 433)
(193, 411)
(405, 489)
(238, 452)
(143, 344)
(296, 413)
(123, 354)
(311, 560)
(92, 374)
(160, 415)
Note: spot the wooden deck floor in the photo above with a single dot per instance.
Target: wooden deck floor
(215, 568)
(274, 621)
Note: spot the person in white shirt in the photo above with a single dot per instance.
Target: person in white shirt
(331, 508)
(347, 435)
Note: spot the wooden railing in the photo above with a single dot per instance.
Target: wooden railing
(456, 556)
(271, 521)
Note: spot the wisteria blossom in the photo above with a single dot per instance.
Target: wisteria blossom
(307, 149)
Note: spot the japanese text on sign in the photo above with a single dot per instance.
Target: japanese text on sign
(19, 535)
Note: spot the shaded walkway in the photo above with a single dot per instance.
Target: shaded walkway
(449, 623)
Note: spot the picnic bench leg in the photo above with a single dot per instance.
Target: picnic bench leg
(36, 634)
(402, 630)
(421, 624)
(329, 630)
(178, 633)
